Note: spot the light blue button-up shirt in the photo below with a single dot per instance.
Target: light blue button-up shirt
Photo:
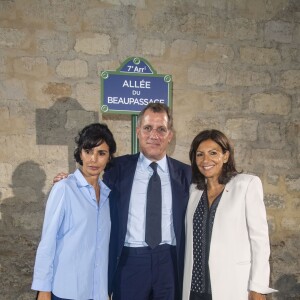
(72, 257)
(135, 236)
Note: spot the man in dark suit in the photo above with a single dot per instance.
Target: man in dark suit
(138, 271)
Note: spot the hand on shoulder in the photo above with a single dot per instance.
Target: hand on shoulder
(60, 176)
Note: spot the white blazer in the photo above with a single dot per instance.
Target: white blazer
(239, 250)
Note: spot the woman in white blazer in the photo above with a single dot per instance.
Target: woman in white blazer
(227, 243)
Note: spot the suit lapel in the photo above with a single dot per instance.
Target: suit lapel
(178, 197)
(126, 181)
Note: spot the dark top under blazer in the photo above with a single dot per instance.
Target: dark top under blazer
(119, 177)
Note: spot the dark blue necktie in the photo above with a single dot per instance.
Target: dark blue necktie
(153, 210)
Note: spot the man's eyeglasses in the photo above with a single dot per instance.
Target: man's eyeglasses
(160, 131)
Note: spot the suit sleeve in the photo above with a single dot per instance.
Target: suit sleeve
(259, 238)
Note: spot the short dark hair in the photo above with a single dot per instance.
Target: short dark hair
(157, 108)
(92, 136)
(228, 170)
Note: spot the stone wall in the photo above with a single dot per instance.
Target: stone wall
(235, 67)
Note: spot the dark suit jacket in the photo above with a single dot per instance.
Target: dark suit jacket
(119, 177)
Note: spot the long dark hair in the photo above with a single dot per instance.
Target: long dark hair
(228, 170)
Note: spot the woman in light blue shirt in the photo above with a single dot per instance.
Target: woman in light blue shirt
(72, 257)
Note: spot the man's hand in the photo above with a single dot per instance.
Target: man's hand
(256, 296)
(44, 296)
(60, 176)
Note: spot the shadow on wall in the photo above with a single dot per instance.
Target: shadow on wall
(288, 287)
(59, 125)
(20, 229)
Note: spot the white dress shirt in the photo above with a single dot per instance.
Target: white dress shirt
(135, 236)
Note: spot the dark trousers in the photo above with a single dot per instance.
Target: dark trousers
(147, 274)
(53, 297)
(196, 296)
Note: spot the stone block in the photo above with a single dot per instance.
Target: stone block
(273, 158)
(291, 224)
(296, 34)
(57, 89)
(7, 10)
(242, 129)
(5, 174)
(293, 183)
(14, 38)
(289, 54)
(52, 41)
(13, 125)
(88, 95)
(31, 66)
(127, 45)
(43, 93)
(183, 49)
(255, 9)
(206, 75)
(217, 53)
(290, 79)
(72, 68)
(60, 15)
(208, 102)
(247, 78)
(272, 179)
(153, 47)
(23, 145)
(292, 134)
(241, 29)
(278, 31)
(196, 23)
(296, 203)
(277, 104)
(260, 56)
(4, 113)
(13, 89)
(274, 201)
(135, 3)
(93, 43)
(3, 65)
(270, 134)
(107, 18)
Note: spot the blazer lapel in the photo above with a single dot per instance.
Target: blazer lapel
(178, 197)
(195, 196)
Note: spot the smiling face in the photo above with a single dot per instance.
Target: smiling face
(210, 159)
(94, 161)
(154, 134)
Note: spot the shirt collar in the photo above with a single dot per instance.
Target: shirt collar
(145, 162)
(82, 182)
